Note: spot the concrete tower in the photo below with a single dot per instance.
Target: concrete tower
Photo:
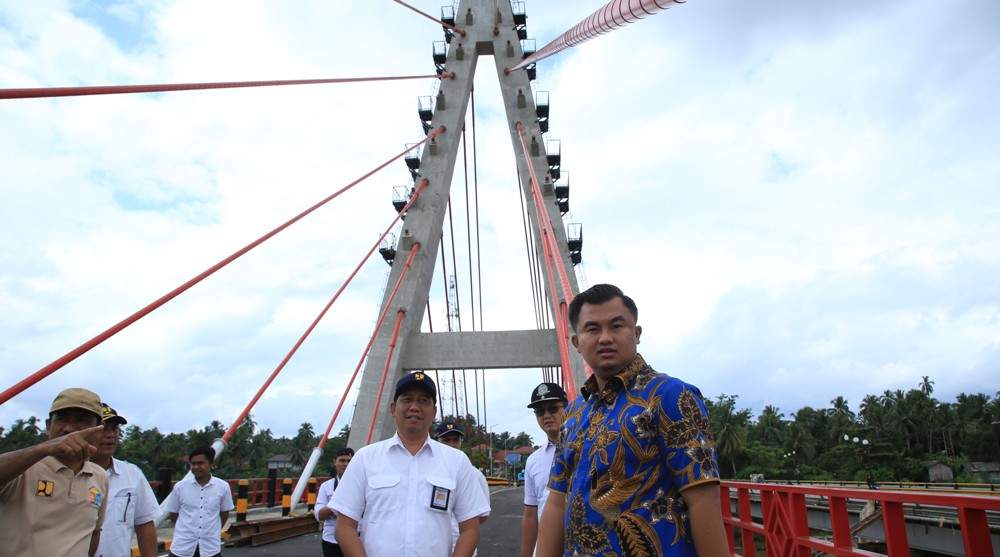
(490, 31)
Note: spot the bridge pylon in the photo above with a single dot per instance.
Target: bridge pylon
(490, 30)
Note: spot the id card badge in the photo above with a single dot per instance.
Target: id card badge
(439, 498)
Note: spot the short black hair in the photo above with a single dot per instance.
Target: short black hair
(599, 294)
(209, 453)
(343, 451)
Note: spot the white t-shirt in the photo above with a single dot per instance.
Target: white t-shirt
(404, 503)
(130, 503)
(536, 477)
(326, 490)
(198, 522)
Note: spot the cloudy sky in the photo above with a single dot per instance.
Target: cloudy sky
(803, 197)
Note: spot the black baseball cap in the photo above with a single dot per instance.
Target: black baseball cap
(416, 380)
(545, 392)
(108, 414)
(444, 428)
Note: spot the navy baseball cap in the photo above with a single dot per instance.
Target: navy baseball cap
(416, 380)
(444, 428)
(108, 414)
(545, 392)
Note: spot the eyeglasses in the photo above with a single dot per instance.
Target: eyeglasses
(554, 409)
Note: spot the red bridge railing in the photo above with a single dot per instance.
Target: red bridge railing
(785, 525)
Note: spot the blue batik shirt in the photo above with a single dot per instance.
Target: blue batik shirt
(625, 455)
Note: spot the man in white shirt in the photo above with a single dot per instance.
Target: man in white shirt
(322, 509)
(452, 435)
(404, 491)
(199, 508)
(548, 400)
(131, 503)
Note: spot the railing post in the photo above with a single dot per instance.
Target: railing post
(272, 486)
(241, 500)
(286, 496)
(895, 529)
(841, 524)
(727, 513)
(975, 532)
(311, 494)
(746, 517)
(800, 523)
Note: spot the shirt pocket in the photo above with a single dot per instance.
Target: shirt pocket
(121, 508)
(382, 496)
(440, 493)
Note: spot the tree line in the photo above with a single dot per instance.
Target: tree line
(905, 432)
(248, 450)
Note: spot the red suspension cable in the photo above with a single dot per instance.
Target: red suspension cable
(614, 14)
(458, 30)
(385, 372)
(559, 304)
(274, 374)
(544, 217)
(42, 92)
(87, 346)
(371, 341)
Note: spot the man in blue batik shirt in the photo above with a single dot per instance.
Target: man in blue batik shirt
(635, 472)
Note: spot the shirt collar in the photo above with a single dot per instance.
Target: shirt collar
(616, 383)
(56, 465)
(113, 469)
(397, 442)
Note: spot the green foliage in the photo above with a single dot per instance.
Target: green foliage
(248, 450)
(905, 430)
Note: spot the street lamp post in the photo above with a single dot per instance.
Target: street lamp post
(791, 455)
(861, 449)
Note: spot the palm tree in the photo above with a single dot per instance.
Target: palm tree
(770, 425)
(730, 427)
(926, 386)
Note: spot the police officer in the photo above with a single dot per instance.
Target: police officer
(450, 434)
(131, 503)
(453, 436)
(52, 497)
(404, 492)
(548, 400)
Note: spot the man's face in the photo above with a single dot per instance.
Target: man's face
(452, 440)
(413, 411)
(200, 466)
(109, 440)
(549, 416)
(606, 337)
(340, 464)
(69, 420)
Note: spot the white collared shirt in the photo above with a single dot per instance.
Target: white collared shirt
(130, 503)
(536, 477)
(198, 522)
(326, 490)
(389, 492)
(454, 523)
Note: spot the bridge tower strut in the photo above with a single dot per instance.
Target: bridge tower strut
(490, 30)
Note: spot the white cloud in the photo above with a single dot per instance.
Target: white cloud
(787, 192)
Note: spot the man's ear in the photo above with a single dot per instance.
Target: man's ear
(638, 333)
(575, 341)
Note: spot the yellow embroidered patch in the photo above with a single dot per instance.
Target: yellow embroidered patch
(45, 488)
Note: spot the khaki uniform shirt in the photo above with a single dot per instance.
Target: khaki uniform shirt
(48, 510)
